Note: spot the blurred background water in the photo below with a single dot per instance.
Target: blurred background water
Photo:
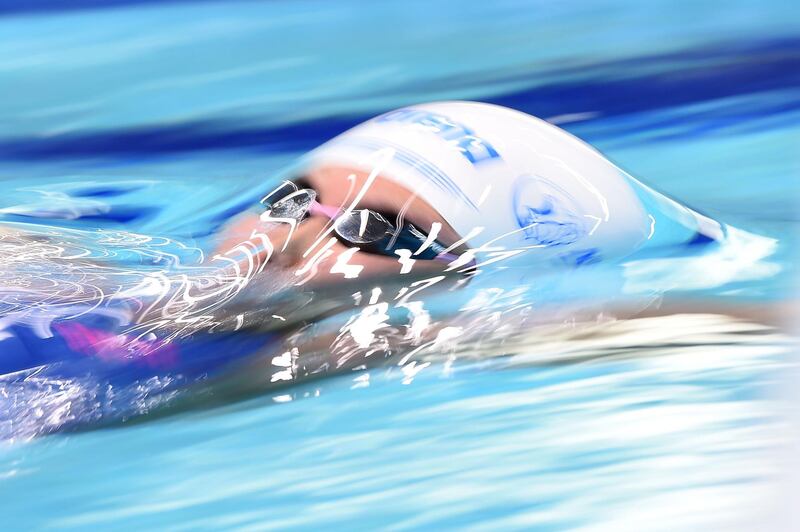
(165, 118)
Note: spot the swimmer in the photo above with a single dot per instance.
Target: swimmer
(417, 203)
(433, 198)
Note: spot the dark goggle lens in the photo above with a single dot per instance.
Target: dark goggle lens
(374, 233)
(278, 193)
(295, 205)
(363, 226)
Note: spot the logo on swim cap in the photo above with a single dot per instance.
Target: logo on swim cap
(462, 138)
(548, 214)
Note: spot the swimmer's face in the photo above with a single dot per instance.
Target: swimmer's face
(319, 257)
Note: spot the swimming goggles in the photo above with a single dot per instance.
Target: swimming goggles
(366, 229)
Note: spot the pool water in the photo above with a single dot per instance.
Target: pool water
(163, 119)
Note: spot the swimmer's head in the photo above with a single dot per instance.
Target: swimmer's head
(496, 178)
(488, 186)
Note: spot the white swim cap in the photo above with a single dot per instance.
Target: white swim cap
(505, 179)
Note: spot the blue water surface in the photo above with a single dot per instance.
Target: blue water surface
(175, 115)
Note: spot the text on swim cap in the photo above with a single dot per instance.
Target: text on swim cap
(474, 148)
